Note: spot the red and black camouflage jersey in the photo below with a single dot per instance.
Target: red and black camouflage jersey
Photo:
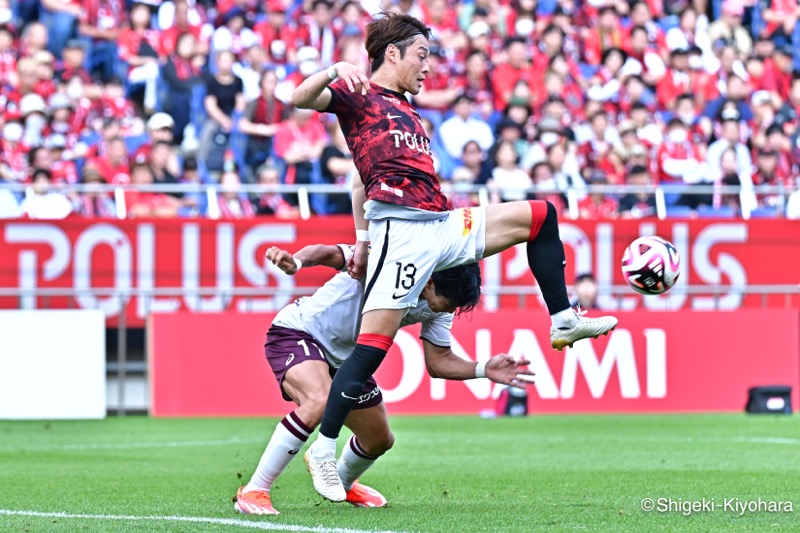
(390, 147)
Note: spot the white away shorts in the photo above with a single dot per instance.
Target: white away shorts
(404, 254)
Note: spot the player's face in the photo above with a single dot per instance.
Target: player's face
(437, 303)
(413, 67)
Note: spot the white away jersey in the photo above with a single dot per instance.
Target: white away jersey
(332, 315)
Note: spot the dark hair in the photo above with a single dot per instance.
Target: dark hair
(637, 169)
(190, 163)
(587, 276)
(461, 285)
(32, 154)
(392, 28)
(43, 172)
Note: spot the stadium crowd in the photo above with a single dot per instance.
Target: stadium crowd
(527, 98)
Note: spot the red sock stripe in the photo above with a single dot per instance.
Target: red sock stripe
(381, 342)
(538, 214)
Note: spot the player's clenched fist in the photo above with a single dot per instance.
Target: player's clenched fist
(281, 259)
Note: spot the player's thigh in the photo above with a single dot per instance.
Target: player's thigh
(507, 224)
(371, 428)
(308, 383)
(402, 258)
(298, 363)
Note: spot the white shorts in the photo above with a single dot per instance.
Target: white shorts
(405, 253)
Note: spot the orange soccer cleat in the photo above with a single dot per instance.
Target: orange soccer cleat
(364, 496)
(254, 502)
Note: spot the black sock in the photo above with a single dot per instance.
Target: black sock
(348, 385)
(546, 259)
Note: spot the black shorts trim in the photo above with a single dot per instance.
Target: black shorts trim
(381, 260)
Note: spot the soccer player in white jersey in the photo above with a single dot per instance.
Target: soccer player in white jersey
(407, 221)
(308, 340)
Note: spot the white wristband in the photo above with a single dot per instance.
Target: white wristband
(298, 263)
(480, 369)
(362, 235)
(332, 73)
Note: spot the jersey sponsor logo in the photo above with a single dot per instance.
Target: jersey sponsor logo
(467, 214)
(364, 397)
(412, 141)
(392, 117)
(390, 99)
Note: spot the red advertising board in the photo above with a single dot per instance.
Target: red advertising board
(86, 255)
(214, 365)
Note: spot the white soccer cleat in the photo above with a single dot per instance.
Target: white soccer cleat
(585, 328)
(325, 475)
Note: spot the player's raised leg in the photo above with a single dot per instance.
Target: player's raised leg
(536, 223)
(307, 382)
(371, 439)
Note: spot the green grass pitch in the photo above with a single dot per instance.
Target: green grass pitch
(453, 474)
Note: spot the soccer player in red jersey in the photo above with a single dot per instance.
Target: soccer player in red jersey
(407, 221)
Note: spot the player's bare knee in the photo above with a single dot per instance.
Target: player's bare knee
(379, 442)
(311, 408)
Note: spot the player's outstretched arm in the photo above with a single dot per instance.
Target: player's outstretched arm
(311, 94)
(443, 363)
(357, 265)
(311, 255)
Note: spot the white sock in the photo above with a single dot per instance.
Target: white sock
(289, 436)
(567, 319)
(324, 446)
(354, 462)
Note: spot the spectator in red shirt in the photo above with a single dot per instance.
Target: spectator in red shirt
(8, 58)
(233, 204)
(270, 202)
(100, 25)
(113, 165)
(316, 30)
(678, 158)
(277, 35)
(641, 16)
(438, 89)
(180, 26)
(137, 46)
(779, 78)
(148, 204)
(677, 81)
(94, 203)
(72, 64)
(605, 36)
(260, 121)
(767, 172)
(597, 205)
(506, 75)
(299, 142)
(62, 168)
(182, 76)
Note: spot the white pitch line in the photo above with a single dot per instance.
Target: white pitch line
(133, 445)
(769, 440)
(266, 526)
